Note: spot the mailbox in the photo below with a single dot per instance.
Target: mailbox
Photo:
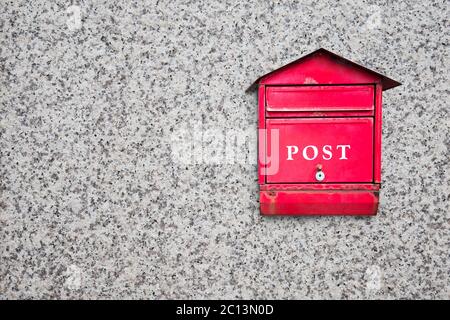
(320, 137)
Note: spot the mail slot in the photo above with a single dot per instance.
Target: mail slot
(301, 101)
(319, 142)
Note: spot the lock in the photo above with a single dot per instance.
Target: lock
(319, 174)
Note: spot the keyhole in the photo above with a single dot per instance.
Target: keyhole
(319, 174)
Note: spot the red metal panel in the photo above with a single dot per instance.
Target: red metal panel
(324, 67)
(318, 202)
(320, 68)
(322, 186)
(261, 133)
(342, 146)
(377, 135)
(319, 98)
(321, 114)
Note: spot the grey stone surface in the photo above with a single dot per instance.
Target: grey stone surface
(94, 204)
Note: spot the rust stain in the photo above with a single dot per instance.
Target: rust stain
(272, 206)
(309, 80)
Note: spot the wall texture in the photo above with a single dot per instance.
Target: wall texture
(96, 201)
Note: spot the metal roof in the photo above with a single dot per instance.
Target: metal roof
(387, 82)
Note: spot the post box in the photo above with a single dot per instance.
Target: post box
(320, 137)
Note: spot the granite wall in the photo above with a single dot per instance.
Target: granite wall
(99, 199)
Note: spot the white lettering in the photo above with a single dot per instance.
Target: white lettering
(291, 150)
(187, 310)
(311, 152)
(343, 156)
(305, 152)
(327, 151)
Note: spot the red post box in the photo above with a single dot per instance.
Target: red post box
(320, 137)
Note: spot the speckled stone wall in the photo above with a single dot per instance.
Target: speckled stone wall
(94, 204)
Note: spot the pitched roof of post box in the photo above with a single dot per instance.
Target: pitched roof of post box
(324, 67)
